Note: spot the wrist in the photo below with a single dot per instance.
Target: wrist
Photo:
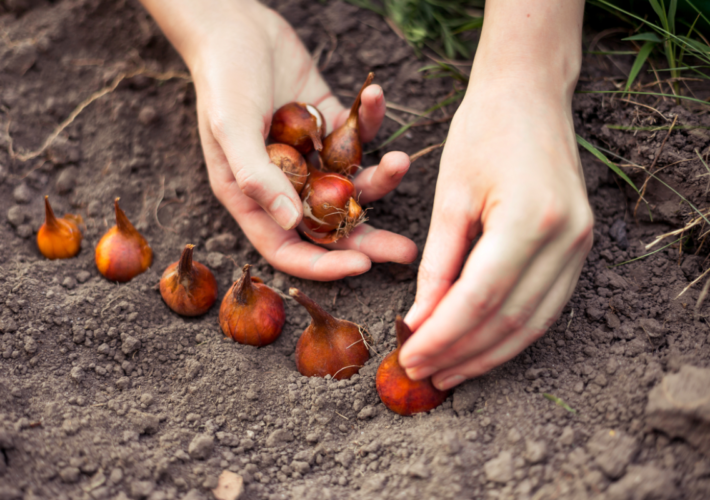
(530, 43)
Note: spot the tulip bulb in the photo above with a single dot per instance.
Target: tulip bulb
(251, 312)
(342, 148)
(328, 346)
(122, 253)
(397, 391)
(58, 238)
(299, 125)
(188, 287)
(290, 162)
(330, 206)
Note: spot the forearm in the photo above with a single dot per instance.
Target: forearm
(536, 40)
(189, 24)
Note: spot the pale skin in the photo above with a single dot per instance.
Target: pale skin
(510, 173)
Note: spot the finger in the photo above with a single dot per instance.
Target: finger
(494, 267)
(375, 182)
(524, 300)
(510, 347)
(449, 240)
(514, 314)
(371, 114)
(379, 245)
(240, 129)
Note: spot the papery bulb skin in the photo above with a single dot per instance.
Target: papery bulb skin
(290, 162)
(251, 312)
(342, 148)
(122, 253)
(299, 125)
(188, 287)
(328, 346)
(329, 206)
(58, 238)
(397, 391)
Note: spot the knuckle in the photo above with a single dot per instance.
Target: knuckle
(217, 125)
(514, 322)
(249, 183)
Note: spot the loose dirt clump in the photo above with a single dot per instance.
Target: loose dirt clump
(106, 394)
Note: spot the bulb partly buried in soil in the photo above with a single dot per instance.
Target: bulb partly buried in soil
(299, 125)
(290, 162)
(188, 287)
(122, 253)
(251, 312)
(330, 206)
(58, 238)
(342, 148)
(328, 346)
(397, 391)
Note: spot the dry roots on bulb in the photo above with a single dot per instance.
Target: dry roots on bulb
(330, 206)
(58, 238)
(299, 125)
(397, 391)
(290, 162)
(328, 346)
(122, 253)
(188, 287)
(251, 312)
(342, 148)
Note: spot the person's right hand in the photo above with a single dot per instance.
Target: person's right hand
(247, 62)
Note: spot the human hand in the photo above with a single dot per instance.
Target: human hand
(246, 62)
(510, 173)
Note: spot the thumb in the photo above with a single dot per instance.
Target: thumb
(259, 179)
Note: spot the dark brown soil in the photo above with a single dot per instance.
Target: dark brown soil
(106, 394)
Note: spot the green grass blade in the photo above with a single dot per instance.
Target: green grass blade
(698, 11)
(644, 255)
(672, 8)
(639, 62)
(644, 37)
(558, 402)
(600, 156)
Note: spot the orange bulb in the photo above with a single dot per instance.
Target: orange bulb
(58, 238)
(122, 253)
(397, 391)
(188, 287)
(252, 313)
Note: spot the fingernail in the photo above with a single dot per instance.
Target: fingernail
(420, 373)
(449, 382)
(284, 212)
(412, 361)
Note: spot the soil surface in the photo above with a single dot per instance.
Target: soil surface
(106, 394)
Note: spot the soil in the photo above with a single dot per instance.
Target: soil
(106, 394)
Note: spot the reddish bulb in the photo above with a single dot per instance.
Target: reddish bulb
(342, 148)
(188, 287)
(290, 162)
(397, 391)
(58, 238)
(328, 346)
(299, 125)
(330, 206)
(251, 312)
(122, 253)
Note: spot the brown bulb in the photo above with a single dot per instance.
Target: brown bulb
(342, 148)
(290, 162)
(188, 287)
(397, 391)
(299, 125)
(328, 346)
(251, 312)
(58, 238)
(330, 206)
(122, 253)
